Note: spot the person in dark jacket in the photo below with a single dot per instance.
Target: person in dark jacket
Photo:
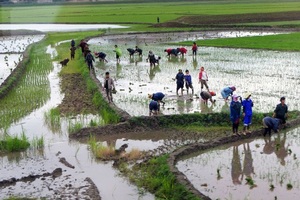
(138, 50)
(188, 81)
(158, 96)
(269, 124)
(153, 108)
(131, 52)
(172, 52)
(89, 59)
(207, 96)
(179, 81)
(72, 43)
(101, 56)
(281, 111)
(82, 44)
(153, 59)
(235, 113)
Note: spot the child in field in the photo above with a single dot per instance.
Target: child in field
(89, 59)
(101, 56)
(118, 53)
(188, 81)
(72, 49)
(281, 111)
(179, 81)
(153, 108)
(194, 48)
(138, 50)
(235, 113)
(270, 123)
(247, 104)
(207, 96)
(227, 91)
(108, 86)
(203, 78)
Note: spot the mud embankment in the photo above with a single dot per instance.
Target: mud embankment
(189, 149)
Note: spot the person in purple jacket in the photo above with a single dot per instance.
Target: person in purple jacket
(270, 123)
(158, 96)
(188, 81)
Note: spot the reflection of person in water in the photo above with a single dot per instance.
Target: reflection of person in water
(248, 161)
(205, 108)
(119, 70)
(152, 71)
(195, 62)
(280, 150)
(269, 146)
(188, 105)
(236, 167)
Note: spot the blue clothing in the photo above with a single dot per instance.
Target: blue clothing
(226, 92)
(235, 111)
(101, 55)
(153, 105)
(271, 123)
(247, 109)
(174, 52)
(158, 96)
(180, 78)
(188, 79)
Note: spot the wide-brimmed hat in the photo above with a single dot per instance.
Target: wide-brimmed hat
(150, 96)
(247, 95)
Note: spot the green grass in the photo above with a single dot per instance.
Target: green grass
(14, 143)
(156, 177)
(136, 12)
(74, 127)
(282, 42)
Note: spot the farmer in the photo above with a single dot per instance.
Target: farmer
(153, 59)
(281, 111)
(101, 56)
(188, 82)
(138, 50)
(82, 44)
(203, 78)
(89, 59)
(182, 50)
(207, 96)
(194, 48)
(86, 49)
(72, 43)
(270, 123)
(118, 53)
(157, 97)
(72, 49)
(235, 113)
(131, 52)
(153, 108)
(172, 52)
(108, 86)
(247, 104)
(227, 91)
(179, 81)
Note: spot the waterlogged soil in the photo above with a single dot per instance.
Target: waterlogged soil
(272, 163)
(76, 100)
(268, 75)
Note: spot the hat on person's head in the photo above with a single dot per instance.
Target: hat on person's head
(247, 95)
(212, 93)
(234, 97)
(233, 88)
(150, 96)
(282, 98)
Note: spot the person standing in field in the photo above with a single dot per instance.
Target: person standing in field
(179, 81)
(247, 104)
(207, 96)
(73, 49)
(109, 86)
(82, 44)
(235, 113)
(227, 91)
(203, 78)
(188, 82)
(118, 53)
(89, 59)
(194, 48)
(72, 43)
(281, 111)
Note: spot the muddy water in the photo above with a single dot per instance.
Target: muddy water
(268, 75)
(57, 145)
(268, 161)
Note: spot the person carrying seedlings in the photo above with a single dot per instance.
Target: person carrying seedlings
(227, 91)
(179, 81)
(188, 82)
(138, 50)
(203, 78)
(89, 59)
(194, 48)
(118, 53)
(153, 107)
(247, 104)
(72, 43)
(72, 50)
(235, 113)
(131, 52)
(207, 96)
(158, 96)
(101, 56)
(281, 111)
(109, 86)
(269, 124)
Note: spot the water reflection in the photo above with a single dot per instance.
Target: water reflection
(236, 166)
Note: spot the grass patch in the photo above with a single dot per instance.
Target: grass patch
(156, 177)
(38, 142)
(74, 127)
(282, 42)
(101, 151)
(14, 143)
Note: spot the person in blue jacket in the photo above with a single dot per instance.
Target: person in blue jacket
(188, 81)
(158, 96)
(270, 123)
(153, 108)
(235, 113)
(247, 104)
(179, 81)
(227, 91)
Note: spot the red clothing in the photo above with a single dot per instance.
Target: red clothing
(182, 50)
(168, 51)
(195, 47)
(203, 75)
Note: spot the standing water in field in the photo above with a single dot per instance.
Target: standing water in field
(268, 75)
(262, 168)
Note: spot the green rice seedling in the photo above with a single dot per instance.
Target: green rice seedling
(272, 187)
(101, 151)
(93, 123)
(250, 181)
(289, 186)
(73, 128)
(38, 142)
(53, 119)
(14, 143)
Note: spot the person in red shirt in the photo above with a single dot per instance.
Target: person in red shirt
(203, 78)
(182, 50)
(194, 48)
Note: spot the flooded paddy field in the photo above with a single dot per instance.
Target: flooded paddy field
(262, 168)
(268, 75)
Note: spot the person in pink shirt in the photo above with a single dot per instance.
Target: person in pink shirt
(203, 78)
